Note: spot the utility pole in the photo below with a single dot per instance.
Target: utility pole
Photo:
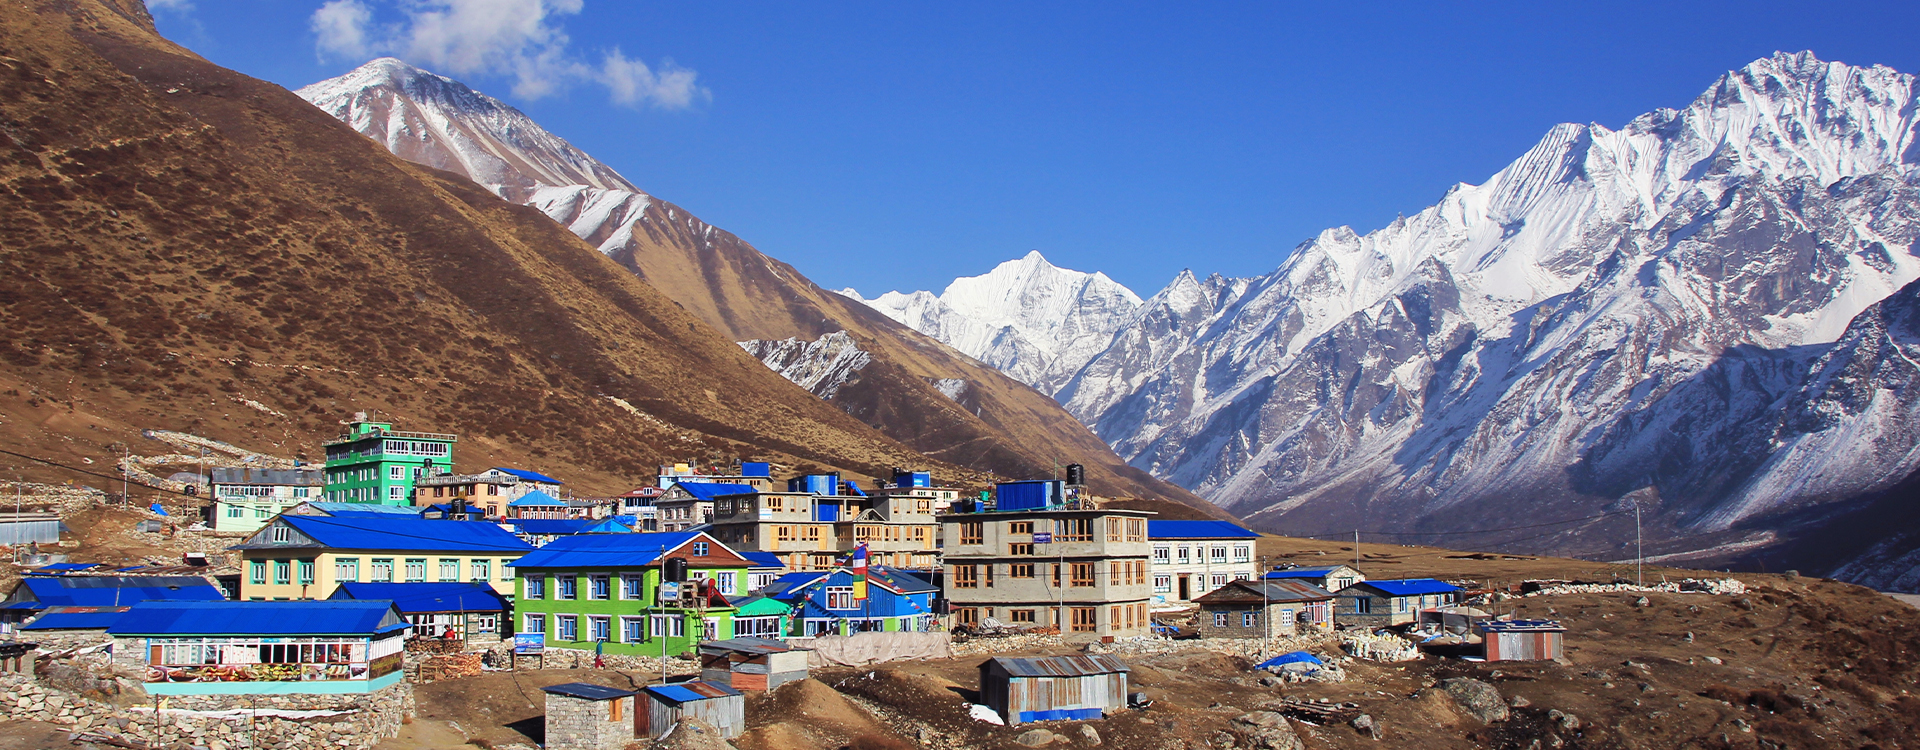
(1639, 552)
(125, 456)
(1356, 549)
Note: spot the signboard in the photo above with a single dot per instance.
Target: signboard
(528, 644)
(669, 591)
(1043, 537)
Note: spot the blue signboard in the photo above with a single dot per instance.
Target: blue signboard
(1043, 537)
(527, 644)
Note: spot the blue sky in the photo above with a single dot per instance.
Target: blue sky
(898, 145)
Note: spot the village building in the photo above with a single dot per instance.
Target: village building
(351, 510)
(689, 504)
(539, 531)
(471, 612)
(1390, 602)
(1329, 577)
(919, 484)
(639, 503)
(374, 463)
(73, 621)
(1264, 609)
(34, 594)
(583, 716)
(490, 490)
(1523, 640)
(824, 603)
(820, 519)
(243, 499)
(606, 589)
(761, 616)
(262, 648)
(538, 505)
(1053, 688)
(787, 525)
(747, 663)
(305, 557)
(766, 567)
(667, 705)
(1191, 558)
(755, 474)
(24, 528)
(1036, 559)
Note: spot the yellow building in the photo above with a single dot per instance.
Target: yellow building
(306, 557)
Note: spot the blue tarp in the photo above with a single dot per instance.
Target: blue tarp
(711, 490)
(1296, 657)
(157, 509)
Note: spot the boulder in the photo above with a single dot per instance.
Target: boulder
(1266, 730)
(693, 734)
(1365, 724)
(1479, 699)
(1091, 735)
(1035, 738)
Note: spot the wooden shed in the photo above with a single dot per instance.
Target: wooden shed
(752, 663)
(1523, 640)
(713, 703)
(1053, 688)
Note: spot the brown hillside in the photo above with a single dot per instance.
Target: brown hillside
(178, 238)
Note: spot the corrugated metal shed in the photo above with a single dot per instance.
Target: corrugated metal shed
(31, 528)
(752, 663)
(1523, 640)
(1197, 530)
(719, 705)
(1054, 688)
(76, 618)
(296, 618)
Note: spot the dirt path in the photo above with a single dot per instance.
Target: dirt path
(427, 734)
(1913, 599)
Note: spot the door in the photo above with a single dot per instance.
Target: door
(1186, 588)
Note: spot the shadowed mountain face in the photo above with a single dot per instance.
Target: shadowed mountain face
(188, 248)
(884, 374)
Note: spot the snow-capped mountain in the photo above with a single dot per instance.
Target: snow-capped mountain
(1490, 357)
(1029, 318)
(822, 367)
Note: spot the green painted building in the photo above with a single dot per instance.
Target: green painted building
(605, 590)
(374, 463)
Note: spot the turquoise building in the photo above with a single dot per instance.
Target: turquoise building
(374, 463)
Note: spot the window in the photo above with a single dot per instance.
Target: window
(668, 626)
(1020, 615)
(304, 571)
(536, 587)
(631, 587)
(257, 571)
(968, 616)
(1249, 619)
(1018, 528)
(1136, 529)
(1241, 553)
(633, 629)
(773, 503)
(729, 583)
(1242, 576)
(989, 568)
(1162, 554)
(1074, 530)
(346, 569)
(599, 588)
(282, 571)
(839, 597)
(260, 511)
(1020, 548)
(699, 549)
(282, 534)
(1083, 574)
(1020, 570)
(1219, 553)
(1118, 572)
(569, 628)
(439, 492)
(783, 533)
(382, 571)
(1183, 555)
(1219, 619)
(235, 511)
(396, 472)
(1115, 529)
(1362, 606)
(397, 493)
(813, 533)
(966, 577)
(569, 587)
(482, 569)
(1162, 584)
(416, 569)
(449, 569)
(1085, 619)
(599, 628)
(970, 532)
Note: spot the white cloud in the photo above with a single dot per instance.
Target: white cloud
(519, 39)
(172, 6)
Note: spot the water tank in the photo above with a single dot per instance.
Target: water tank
(1076, 474)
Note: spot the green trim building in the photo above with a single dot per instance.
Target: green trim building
(374, 463)
(604, 590)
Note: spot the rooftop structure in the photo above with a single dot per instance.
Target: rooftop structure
(374, 463)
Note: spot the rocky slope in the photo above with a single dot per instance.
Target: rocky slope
(1001, 426)
(189, 248)
(1028, 318)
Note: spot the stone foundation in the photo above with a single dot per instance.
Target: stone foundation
(362, 721)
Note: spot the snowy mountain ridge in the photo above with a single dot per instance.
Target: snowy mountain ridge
(1027, 317)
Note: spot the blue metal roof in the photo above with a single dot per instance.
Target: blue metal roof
(76, 618)
(1410, 586)
(423, 597)
(531, 476)
(588, 691)
(536, 498)
(1197, 530)
(686, 692)
(309, 618)
(551, 526)
(781, 586)
(64, 567)
(119, 591)
(711, 490)
(612, 526)
(608, 550)
(363, 509)
(407, 533)
(763, 559)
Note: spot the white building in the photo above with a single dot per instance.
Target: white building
(1191, 558)
(243, 499)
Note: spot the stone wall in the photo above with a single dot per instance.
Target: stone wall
(568, 658)
(581, 724)
(216, 722)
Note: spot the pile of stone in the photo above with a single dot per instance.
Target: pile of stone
(1252, 649)
(216, 722)
(976, 646)
(1382, 648)
(1715, 586)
